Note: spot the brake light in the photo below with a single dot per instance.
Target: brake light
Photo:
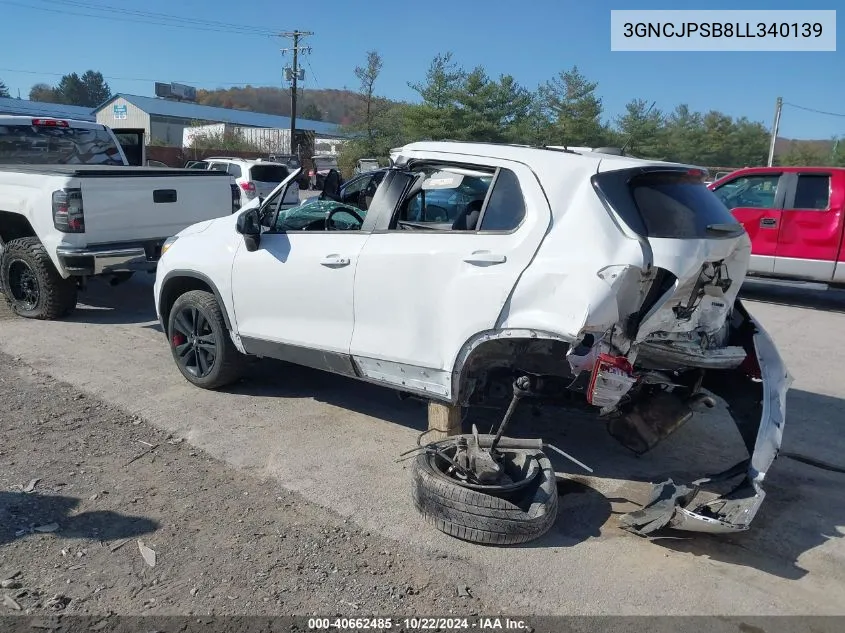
(696, 173)
(50, 123)
(68, 215)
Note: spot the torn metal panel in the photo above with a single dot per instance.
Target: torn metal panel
(675, 506)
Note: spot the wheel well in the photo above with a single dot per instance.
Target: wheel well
(507, 357)
(176, 286)
(14, 226)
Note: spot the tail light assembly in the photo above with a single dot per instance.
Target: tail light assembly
(249, 188)
(68, 214)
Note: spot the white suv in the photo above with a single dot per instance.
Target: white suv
(256, 178)
(613, 279)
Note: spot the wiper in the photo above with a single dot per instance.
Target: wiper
(725, 228)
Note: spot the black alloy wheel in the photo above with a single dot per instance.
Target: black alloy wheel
(194, 341)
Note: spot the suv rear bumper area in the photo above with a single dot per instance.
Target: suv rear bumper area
(755, 393)
(110, 258)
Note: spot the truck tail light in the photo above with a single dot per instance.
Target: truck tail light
(249, 187)
(50, 123)
(68, 215)
(236, 198)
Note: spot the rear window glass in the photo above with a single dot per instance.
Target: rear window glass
(268, 173)
(26, 144)
(679, 206)
(812, 192)
(325, 163)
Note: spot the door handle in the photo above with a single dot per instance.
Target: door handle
(485, 258)
(768, 223)
(335, 261)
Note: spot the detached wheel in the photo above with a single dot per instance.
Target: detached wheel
(200, 342)
(523, 514)
(33, 287)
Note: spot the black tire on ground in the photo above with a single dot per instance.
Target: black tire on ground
(475, 516)
(227, 365)
(48, 295)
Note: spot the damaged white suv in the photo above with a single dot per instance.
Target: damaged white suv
(610, 279)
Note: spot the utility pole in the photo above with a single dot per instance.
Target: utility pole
(775, 128)
(294, 74)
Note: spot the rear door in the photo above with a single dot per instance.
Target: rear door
(811, 226)
(756, 200)
(423, 288)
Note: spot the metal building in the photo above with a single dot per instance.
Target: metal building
(165, 120)
(25, 107)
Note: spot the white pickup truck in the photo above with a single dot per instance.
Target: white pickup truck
(71, 207)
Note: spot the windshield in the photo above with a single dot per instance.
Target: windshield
(36, 145)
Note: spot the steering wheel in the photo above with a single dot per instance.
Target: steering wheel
(333, 212)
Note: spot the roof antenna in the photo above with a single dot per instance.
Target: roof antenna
(631, 136)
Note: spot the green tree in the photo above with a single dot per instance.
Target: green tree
(4, 90)
(88, 90)
(367, 75)
(436, 118)
(574, 108)
(311, 112)
(642, 129)
(684, 135)
(43, 92)
(96, 88)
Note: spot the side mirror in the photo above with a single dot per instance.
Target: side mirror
(249, 225)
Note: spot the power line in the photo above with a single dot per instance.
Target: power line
(814, 110)
(159, 16)
(144, 79)
(191, 24)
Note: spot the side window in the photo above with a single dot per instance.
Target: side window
(812, 192)
(217, 166)
(444, 199)
(754, 192)
(506, 208)
(234, 170)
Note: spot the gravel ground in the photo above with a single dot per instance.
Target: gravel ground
(83, 482)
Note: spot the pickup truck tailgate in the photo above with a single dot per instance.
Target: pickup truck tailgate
(143, 204)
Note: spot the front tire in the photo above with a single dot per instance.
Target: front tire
(33, 287)
(200, 342)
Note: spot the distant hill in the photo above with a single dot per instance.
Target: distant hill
(335, 106)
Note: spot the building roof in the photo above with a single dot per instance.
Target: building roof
(197, 112)
(25, 107)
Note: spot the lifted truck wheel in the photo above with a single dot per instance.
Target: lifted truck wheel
(33, 287)
(200, 342)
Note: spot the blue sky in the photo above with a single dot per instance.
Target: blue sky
(42, 39)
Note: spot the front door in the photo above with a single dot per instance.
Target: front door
(756, 201)
(440, 268)
(293, 295)
(811, 227)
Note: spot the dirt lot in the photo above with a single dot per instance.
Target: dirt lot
(224, 542)
(316, 452)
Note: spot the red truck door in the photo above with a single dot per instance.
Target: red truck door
(811, 225)
(756, 200)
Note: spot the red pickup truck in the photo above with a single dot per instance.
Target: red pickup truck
(795, 217)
